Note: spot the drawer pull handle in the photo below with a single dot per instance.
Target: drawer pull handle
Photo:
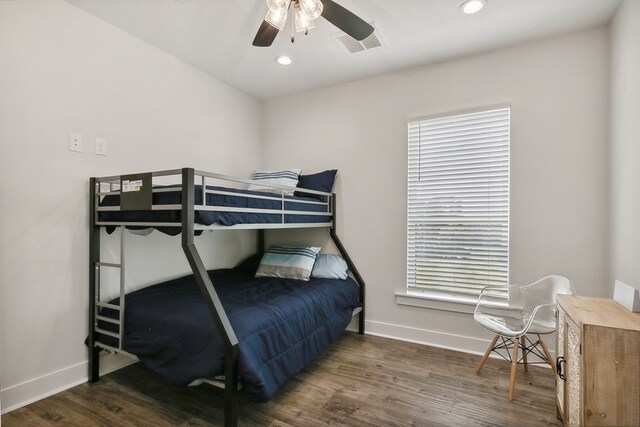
(559, 361)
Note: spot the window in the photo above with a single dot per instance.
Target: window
(458, 203)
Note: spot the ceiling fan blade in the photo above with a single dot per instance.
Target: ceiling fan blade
(345, 20)
(266, 35)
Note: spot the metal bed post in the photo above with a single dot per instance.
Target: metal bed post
(94, 257)
(211, 298)
(350, 264)
(261, 241)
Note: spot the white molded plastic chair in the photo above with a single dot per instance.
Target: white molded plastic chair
(531, 309)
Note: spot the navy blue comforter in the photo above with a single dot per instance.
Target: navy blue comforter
(238, 199)
(281, 325)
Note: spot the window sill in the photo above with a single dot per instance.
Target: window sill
(437, 302)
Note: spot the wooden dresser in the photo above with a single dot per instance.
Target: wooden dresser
(598, 360)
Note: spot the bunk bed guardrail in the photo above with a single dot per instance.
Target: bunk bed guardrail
(136, 193)
(117, 186)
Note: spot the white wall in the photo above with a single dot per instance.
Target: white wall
(558, 91)
(625, 144)
(64, 70)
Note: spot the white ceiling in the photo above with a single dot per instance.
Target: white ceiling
(216, 36)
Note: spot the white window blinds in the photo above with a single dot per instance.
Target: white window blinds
(458, 203)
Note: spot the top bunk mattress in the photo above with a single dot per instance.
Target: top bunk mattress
(232, 198)
(281, 326)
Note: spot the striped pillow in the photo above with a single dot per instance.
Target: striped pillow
(287, 177)
(288, 262)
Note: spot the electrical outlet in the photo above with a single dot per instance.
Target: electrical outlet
(75, 142)
(101, 147)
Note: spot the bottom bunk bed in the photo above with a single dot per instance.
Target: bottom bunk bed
(281, 325)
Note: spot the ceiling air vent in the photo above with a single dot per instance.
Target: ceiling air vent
(352, 46)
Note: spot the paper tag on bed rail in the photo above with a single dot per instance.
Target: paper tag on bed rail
(136, 194)
(134, 185)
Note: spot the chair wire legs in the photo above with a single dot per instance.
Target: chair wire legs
(508, 349)
(523, 345)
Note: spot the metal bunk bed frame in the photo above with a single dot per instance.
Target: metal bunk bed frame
(188, 228)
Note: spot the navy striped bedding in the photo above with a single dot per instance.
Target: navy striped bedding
(282, 325)
(237, 199)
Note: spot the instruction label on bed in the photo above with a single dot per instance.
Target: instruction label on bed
(128, 185)
(136, 192)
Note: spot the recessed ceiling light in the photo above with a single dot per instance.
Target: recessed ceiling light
(283, 60)
(472, 6)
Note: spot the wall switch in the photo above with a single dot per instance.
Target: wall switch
(101, 146)
(75, 142)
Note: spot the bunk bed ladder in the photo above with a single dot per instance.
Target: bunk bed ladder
(212, 300)
(119, 321)
(95, 304)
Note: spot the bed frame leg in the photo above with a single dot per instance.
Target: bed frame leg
(94, 364)
(231, 394)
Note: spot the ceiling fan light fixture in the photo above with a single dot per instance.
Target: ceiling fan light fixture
(335, 14)
(470, 7)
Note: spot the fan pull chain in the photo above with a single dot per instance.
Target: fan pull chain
(293, 30)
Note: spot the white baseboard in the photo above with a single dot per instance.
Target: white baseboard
(27, 392)
(30, 391)
(461, 343)
(464, 344)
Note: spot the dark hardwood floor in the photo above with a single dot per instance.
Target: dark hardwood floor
(359, 381)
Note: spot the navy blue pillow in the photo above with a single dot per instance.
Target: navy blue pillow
(321, 181)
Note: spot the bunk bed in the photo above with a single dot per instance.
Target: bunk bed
(187, 206)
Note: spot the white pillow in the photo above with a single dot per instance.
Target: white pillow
(288, 177)
(330, 267)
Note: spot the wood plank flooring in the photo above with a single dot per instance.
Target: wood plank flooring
(359, 381)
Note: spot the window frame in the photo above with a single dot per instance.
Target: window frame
(447, 298)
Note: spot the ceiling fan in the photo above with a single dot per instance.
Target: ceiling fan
(304, 13)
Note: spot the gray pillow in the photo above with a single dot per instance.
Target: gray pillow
(329, 267)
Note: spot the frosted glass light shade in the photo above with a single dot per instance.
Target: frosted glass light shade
(301, 21)
(278, 16)
(312, 9)
(275, 4)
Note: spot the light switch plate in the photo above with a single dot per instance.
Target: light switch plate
(101, 147)
(75, 142)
